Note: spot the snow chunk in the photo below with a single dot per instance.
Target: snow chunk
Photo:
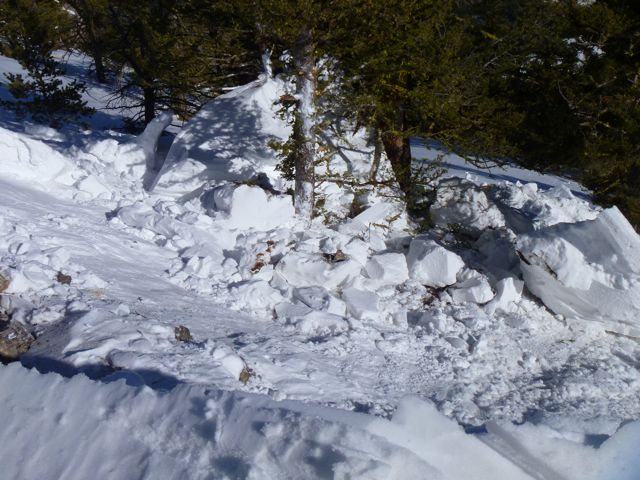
(306, 270)
(257, 296)
(361, 304)
(588, 270)
(432, 264)
(316, 298)
(252, 207)
(132, 159)
(508, 293)
(229, 359)
(311, 322)
(473, 288)
(388, 268)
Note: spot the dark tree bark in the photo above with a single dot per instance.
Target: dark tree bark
(149, 104)
(98, 58)
(398, 151)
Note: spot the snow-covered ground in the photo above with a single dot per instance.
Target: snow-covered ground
(334, 351)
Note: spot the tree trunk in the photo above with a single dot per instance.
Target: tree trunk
(304, 164)
(149, 104)
(377, 154)
(98, 58)
(398, 151)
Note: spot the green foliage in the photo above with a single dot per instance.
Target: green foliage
(31, 32)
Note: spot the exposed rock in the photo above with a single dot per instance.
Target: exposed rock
(339, 256)
(63, 279)
(183, 334)
(245, 375)
(4, 283)
(15, 340)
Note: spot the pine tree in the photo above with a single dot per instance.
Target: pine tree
(30, 32)
(180, 53)
(420, 68)
(298, 27)
(92, 28)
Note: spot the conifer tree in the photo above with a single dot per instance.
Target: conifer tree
(180, 53)
(30, 32)
(298, 27)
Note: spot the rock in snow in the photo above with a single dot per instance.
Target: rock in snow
(432, 264)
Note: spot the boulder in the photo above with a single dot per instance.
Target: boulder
(15, 340)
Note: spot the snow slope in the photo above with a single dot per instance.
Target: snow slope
(197, 432)
(356, 314)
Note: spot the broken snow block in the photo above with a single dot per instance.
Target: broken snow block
(256, 295)
(15, 340)
(250, 207)
(431, 264)
(182, 334)
(315, 297)
(361, 304)
(232, 363)
(388, 268)
(587, 270)
(474, 289)
(508, 293)
(311, 322)
(304, 270)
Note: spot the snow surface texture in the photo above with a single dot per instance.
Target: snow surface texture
(195, 432)
(353, 312)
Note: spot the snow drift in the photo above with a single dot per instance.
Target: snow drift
(588, 270)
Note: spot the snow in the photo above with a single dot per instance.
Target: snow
(432, 264)
(579, 278)
(366, 346)
(251, 207)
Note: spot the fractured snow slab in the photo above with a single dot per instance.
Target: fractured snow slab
(361, 304)
(475, 288)
(588, 270)
(432, 264)
(388, 268)
(252, 207)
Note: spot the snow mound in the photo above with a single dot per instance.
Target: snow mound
(132, 159)
(194, 432)
(588, 270)
(228, 139)
(250, 207)
(30, 160)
